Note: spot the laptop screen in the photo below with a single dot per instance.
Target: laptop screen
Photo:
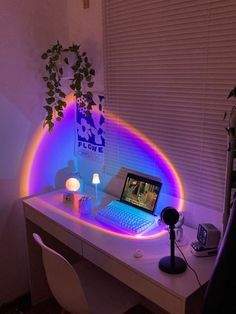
(141, 192)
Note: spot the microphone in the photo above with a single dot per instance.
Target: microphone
(171, 264)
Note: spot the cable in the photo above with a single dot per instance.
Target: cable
(193, 270)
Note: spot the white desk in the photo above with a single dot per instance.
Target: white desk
(114, 254)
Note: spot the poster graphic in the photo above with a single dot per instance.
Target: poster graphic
(90, 133)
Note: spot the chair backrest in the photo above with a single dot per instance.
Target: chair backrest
(220, 294)
(63, 280)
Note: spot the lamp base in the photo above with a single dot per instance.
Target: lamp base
(178, 267)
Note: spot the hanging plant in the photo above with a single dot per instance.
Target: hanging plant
(82, 78)
(83, 73)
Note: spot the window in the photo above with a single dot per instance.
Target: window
(169, 66)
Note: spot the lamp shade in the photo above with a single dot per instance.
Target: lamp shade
(96, 179)
(72, 184)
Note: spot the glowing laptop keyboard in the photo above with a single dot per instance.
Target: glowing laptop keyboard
(123, 217)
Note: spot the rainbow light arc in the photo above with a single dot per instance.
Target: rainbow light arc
(158, 151)
(41, 133)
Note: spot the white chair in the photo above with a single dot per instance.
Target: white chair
(84, 288)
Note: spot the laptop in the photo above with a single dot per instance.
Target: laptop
(134, 212)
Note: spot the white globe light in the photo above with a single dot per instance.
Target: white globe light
(72, 184)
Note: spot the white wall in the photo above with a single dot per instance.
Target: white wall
(27, 28)
(85, 27)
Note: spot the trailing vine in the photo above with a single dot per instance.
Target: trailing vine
(82, 78)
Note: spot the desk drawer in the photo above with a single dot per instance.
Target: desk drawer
(56, 230)
(135, 280)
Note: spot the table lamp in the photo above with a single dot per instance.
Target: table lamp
(72, 185)
(96, 181)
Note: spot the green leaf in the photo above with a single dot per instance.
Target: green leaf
(49, 117)
(62, 94)
(77, 76)
(78, 62)
(74, 67)
(78, 84)
(52, 76)
(88, 78)
(50, 93)
(55, 58)
(44, 56)
(50, 126)
(49, 85)
(89, 94)
(78, 94)
(90, 84)
(232, 93)
(92, 72)
(60, 102)
(58, 108)
(48, 108)
(50, 100)
(85, 71)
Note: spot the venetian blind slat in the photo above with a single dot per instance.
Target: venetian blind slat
(168, 70)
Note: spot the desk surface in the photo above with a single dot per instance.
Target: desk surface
(111, 251)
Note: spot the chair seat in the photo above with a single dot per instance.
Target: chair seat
(104, 293)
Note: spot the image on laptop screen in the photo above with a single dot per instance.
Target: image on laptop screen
(141, 192)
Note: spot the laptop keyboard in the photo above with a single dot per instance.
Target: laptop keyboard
(121, 216)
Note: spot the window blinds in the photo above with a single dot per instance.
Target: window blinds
(169, 65)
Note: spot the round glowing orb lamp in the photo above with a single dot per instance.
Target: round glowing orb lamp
(96, 181)
(72, 185)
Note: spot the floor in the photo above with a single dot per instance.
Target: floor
(47, 307)
(51, 307)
